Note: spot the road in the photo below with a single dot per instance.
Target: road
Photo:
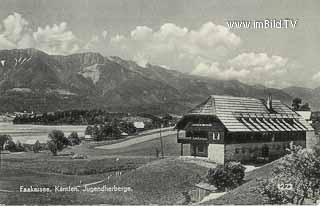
(138, 140)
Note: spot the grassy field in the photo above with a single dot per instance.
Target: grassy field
(157, 182)
(25, 132)
(160, 182)
(153, 181)
(45, 170)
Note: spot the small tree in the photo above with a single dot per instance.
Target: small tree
(53, 147)
(20, 147)
(89, 130)
(74, 138)
(58, 138)
(296, 178)
(96, 133)
(226, 176)
(305, 107)
(10, 146)
(3, 140)
(296, 103)
(36, 147)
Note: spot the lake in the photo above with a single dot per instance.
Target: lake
(25, 132)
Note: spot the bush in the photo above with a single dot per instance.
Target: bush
(10, 146)
(3, 140)
(294, 179)
(36, 147)
(19, 147)
(74, 139)
(227, 176)
(57, 136)
(52, 146)
(89, 130)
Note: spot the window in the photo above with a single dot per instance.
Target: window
(216, 136)
(237, 150)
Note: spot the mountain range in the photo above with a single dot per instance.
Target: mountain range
(31, 80)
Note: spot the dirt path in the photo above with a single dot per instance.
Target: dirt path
(137, 140)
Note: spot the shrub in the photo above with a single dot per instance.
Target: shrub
(19, 147)
(57, 136)
(294, 179)
(226, 176)
(36, 147)
(3, 140)
(89, 130)
(10, 146)
(52, 146)
(74, 139)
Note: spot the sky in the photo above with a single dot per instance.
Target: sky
(194, 37)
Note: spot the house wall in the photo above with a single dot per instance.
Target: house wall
(251, 151)
(311, 139)
(216, 153)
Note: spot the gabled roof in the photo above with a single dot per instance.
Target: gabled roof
(244, 114)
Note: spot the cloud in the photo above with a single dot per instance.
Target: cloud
(92, 44)
(268, 70)
(316, 77)
(16, 32)
(141, 33)
(213, 70)
(258, 61)
(104, 34)
(175, 46)
(56, 39)
(253, 68)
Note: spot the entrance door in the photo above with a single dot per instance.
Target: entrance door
(199, 149)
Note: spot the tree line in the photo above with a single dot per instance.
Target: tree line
(77, 117)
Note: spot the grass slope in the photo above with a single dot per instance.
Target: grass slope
(246, 194)
(159, 182)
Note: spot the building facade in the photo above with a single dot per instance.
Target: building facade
(225, 128)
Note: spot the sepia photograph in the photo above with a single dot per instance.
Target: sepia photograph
(159, 102)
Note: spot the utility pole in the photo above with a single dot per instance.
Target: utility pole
(161, 141)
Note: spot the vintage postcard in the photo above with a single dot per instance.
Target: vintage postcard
(159, 102)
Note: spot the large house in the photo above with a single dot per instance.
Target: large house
(225, 128)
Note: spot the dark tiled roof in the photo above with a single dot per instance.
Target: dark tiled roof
(240, 114)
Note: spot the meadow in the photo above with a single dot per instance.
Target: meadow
(154, 180)
(26, 132)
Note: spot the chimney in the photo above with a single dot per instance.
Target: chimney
(269, 102)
